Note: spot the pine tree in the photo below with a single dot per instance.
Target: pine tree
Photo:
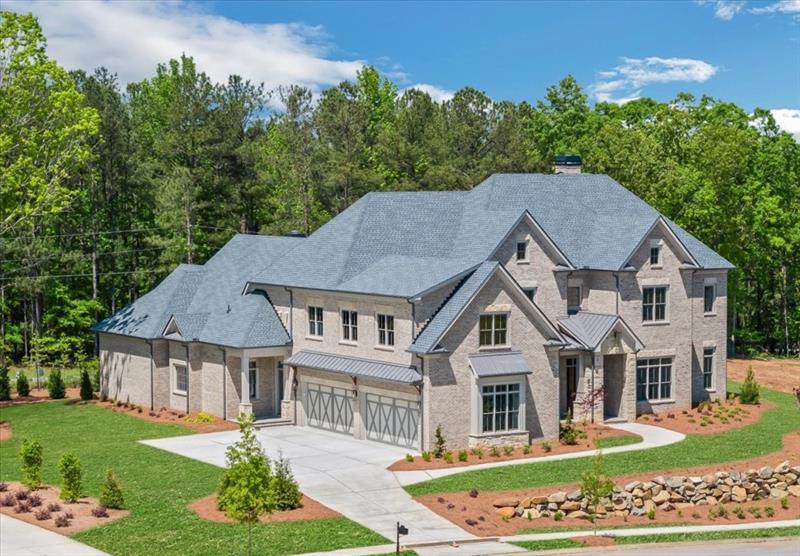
(440, 444)
(285, 490)
(55, 385)
(111, 494)
(750, 392)
(87, 391)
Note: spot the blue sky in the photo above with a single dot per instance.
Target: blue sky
(744, 51)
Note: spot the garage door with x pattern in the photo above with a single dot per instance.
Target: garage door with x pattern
(392, 420)
(329, 408)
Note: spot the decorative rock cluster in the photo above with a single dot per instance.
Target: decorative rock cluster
(639, 498)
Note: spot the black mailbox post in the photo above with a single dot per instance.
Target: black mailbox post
(401, 530)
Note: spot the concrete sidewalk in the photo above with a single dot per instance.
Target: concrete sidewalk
(18, 538)
(652, 437)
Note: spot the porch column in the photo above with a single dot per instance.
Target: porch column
(244, 404)
(629, 388)
(598, 375)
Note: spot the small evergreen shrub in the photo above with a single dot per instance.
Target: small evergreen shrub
(23, 386)
(55, 385)
(785, 502)
(651, 514)
(495, 452)
(546, 446)
(448, 457)
(409, 458)
(769, 511)
(30, 455)
(439, 443)
(750, 392)
(5, 385)
(111, 493)
(526, 449)
(568, 432)
(284, 487)
(71, 477)
(508, 450)
(462, 455)
(755, 511)
(87, 391)
(558, 516)
(738, 511)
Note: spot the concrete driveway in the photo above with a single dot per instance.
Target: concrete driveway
(345, 474)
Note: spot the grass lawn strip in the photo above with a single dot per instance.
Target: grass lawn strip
(615, 441)
(157, 486)
(773, 532)
(761, 438)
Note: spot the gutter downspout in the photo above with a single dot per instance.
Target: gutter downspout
(224, 383)
(422, 404)
(188, 379)
(291, 310)
(152, 393)
(616, 298)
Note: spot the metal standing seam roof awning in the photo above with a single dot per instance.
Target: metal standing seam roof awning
(355, 366)
(498, 364)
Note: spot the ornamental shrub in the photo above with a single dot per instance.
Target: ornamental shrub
(750, 390)
(111, 493)
(439, 443)
(55, 385)
(23, 386)
(285, 490)
(30, 455)
(568, 432)
(87, 391)
(5, 385)
(71, 477)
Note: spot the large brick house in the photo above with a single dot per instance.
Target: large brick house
(490, 312)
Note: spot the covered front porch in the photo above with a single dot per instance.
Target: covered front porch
(260, 383)
(598, 369)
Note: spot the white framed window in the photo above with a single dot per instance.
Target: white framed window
(708, 367)
(493, 330)
(574, 295)
(500, 407)
(709, 299)
(315, 322)
(530, 293)
(655, 255)
(385, 330)
(181, 379)
(654, 304)
(349, 325)
(252, 375)
(654, 379)
(522, 250)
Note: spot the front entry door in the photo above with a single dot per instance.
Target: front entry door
(572, 382)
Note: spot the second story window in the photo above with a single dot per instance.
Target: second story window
(709, 297)
(315, 322)
(522, 250)
(655, 255)
(385, 330)
(654, 304)
(573, 299)
(493, 330)
(708, 368)
(349, 325)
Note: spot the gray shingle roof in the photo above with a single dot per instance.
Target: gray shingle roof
(430, 336)
(590, 329)
(207, 302)
(356, 366)
(498, 364)
(403, 243)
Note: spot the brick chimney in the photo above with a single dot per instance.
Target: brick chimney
(567, 164)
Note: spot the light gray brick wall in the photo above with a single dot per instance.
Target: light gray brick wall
(710, 330)
(125, 368)
(161, 374)
(450, 391)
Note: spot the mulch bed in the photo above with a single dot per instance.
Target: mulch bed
(82, 510)
(460, 506)
(164, 415)
(709, 419)
(5, 430)
(593, 433)
(37, 395)
(206, 508)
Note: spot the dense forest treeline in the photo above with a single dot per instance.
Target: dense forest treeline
(105, 190)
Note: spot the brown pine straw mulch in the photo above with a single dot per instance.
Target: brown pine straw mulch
(164, 415)
(460, 506)
(729, 410)
(206, 508)
(37, 395)
(82, 510)
(5, 430)
(593, 432)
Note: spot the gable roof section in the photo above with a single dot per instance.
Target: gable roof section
(591, 329)
(428, 339)
(205, 303)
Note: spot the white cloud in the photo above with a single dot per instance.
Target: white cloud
(625, 82)
(436, 93)
(788, 119)
(783, 7)
(130, 38)
(727, 9)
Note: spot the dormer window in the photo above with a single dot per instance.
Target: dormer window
(522, 251)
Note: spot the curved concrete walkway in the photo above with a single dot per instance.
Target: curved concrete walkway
(652, 437)
(18, 538)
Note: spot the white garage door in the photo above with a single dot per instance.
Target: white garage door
(392, 420)
(329, 408)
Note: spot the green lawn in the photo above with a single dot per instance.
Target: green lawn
(755, 440)
(670, 537)
(157, 486)
(618, 441)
